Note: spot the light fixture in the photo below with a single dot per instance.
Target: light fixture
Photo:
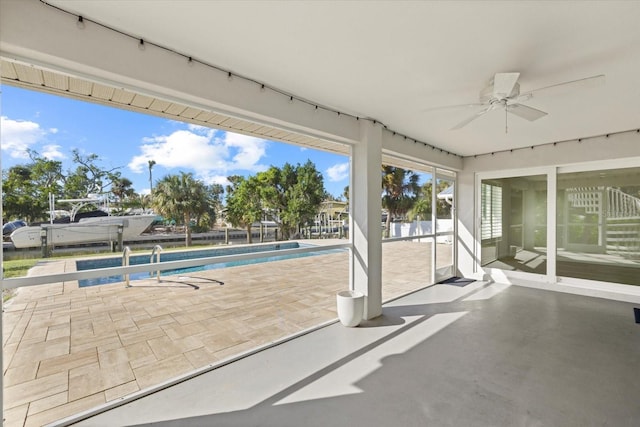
(141, 45)
(291, 100)
(190, 61)
(80, 23)
(262, 89)
(229, 76)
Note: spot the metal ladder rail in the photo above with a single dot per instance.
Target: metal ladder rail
(125, 263)
(156, 251)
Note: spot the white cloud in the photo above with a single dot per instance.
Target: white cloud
(249, 151)
(201, 130)
(338, 172)
(18, 136)
(216, 179)
(52, 152)
(210, 153)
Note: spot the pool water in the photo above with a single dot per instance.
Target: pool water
(176, 256)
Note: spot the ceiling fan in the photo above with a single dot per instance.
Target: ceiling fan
(504, 92)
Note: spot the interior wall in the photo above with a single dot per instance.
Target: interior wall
(592, 153)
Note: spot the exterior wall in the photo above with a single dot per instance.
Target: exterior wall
(417, 228)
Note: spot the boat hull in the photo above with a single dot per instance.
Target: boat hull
(88, 230)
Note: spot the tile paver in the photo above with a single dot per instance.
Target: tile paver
(67, 349)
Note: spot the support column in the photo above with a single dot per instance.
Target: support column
(366, 206)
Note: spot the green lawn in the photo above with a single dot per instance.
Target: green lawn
(17, 267)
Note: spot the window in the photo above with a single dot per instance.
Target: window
(491, 227)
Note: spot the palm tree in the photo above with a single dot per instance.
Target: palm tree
(399, 191)
(421, 209)
(181, 196)
(151, 164)
(122, 189)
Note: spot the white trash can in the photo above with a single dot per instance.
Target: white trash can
(350, 307)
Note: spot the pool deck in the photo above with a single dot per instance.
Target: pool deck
(68, 349)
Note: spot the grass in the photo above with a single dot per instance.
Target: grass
(17, 267)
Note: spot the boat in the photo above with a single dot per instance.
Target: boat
(98, 226)
(11, 226)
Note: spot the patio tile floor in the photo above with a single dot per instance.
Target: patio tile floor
(67, 349)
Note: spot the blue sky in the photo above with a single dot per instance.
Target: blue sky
(53, 126)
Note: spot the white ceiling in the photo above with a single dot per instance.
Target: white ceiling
(392, 60)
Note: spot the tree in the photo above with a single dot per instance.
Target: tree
(88, 177)
(122, 189)
(421, 209)
(345, 193)
(181, 196)
(20, 198)
(291, 195)
(151, 164)
(27, 187)
(399, 191)
(244, 205)
(206, 220)
(422, 206)
(216, 191)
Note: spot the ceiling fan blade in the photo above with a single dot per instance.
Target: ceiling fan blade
(525, 112)
(503, 84)
(472, 118)
(573, 84)
(448, 107)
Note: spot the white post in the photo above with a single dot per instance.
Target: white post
(1, 309)
(366, 207)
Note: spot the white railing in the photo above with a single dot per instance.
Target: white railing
(618, 203)
(167, 265)
(622, 205)
(585, 197)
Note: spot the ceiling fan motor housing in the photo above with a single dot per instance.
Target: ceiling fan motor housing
(486, 94)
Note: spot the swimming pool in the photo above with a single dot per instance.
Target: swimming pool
(185, 255)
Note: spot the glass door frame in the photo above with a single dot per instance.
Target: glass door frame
(450, 270)
(550, 172)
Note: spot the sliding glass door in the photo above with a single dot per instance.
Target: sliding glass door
(598, 225)
(513, 229)
(595, 227)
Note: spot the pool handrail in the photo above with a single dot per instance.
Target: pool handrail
(125, 263)
(156, 251)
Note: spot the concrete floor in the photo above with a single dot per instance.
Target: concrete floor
(478, 355)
